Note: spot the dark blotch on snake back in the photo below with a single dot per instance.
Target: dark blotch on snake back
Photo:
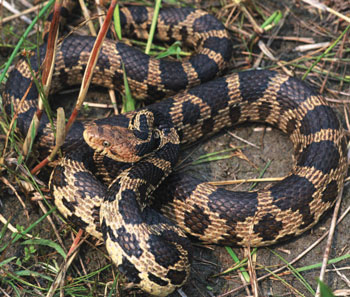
(167, 69)
(205, 22)
(170, 15)
(297, 92)
(268, 227)
(129, 208)
(205, 67)
(319, 112)
(139, 14)
(86, 183)
(293, 188)
(261, 83)
(330, 193)
(137, 64)
(313, 156)
(195, 113)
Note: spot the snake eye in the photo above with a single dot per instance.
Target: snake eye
(106, 143)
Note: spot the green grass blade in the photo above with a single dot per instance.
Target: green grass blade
(47, 242)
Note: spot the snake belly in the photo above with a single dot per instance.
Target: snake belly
(148, 248)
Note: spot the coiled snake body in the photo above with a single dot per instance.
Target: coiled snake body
(147, 247)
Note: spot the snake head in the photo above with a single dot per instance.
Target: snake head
(127, 142)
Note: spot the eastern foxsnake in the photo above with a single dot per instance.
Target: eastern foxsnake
(147, 247)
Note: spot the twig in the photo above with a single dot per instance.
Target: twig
(329, 241)
(15, 11)
(243, 140)
(247, 180)
(20, 13)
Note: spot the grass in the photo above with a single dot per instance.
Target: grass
(34, 246)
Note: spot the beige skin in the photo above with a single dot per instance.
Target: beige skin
(117, 143)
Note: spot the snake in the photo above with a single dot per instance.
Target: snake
(145, 212)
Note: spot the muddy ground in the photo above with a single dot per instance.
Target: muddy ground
(301, 21)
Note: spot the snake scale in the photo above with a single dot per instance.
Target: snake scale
(150, 248)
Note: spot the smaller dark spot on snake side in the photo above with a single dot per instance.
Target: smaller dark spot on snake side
(344, 148)
(195, 113)
(154, 92)
(63, 78)
(104, 229)
(96, 216)
(197, 220)
(291, 125)
(323, 156)
(184, 33)
(330, 193)
(207, 126)
(321, 117)
(268, 227)
(58, 178)
(77, 221)
(264, 110)
(253, 92)
(129, 208)
(157, 279)
(308, 218)
(128, 242)
(165, 253)
(176, 277)
(235, 113)
(130, 271)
